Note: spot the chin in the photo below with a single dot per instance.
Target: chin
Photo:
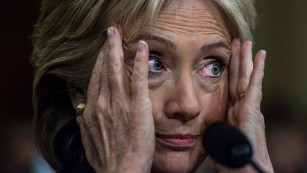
(175, 161)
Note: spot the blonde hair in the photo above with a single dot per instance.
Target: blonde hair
(66, 41)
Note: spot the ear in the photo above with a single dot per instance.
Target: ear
(76, 95)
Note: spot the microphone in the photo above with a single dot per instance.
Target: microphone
(228, 146)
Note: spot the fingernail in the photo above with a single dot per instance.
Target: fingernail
(247, 47)
(141, 46)
(251, 43)
(264, 53)
(110, 32)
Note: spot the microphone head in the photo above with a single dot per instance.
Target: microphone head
(227, 145)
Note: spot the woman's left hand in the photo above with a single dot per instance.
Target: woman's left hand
(245, 87)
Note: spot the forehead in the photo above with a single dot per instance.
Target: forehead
(192, 18)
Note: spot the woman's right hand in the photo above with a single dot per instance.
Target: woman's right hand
(117, 127)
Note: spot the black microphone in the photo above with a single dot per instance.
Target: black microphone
(228, 146)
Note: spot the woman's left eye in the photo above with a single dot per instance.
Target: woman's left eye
(155, 64)
(213, 69)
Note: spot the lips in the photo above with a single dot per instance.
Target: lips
(177, 141)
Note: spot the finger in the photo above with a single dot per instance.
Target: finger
(139, 79)
(255, 85)
(234, 69)
(115, 62)
(94, 85)
(230, 117)
(246, 67)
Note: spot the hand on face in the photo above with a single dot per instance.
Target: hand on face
(117, 125)
(245, 82)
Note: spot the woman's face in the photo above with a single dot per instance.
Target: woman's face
(189, 48)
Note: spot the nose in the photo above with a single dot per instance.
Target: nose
(184, 104)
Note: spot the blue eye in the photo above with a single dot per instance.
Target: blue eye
(155, 65)
(214, 69)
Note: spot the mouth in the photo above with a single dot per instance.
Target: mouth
(177, 141)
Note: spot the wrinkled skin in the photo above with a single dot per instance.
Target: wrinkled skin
(149, 102)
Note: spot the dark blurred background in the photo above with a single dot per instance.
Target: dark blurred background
(282, 31)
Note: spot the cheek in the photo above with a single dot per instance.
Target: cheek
(157, 102)
(213, 100)
(215, 104)
(212, 85)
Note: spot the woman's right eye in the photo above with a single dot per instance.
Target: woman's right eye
(155, 64)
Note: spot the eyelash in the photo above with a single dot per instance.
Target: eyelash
(215, 60)
(153, 55)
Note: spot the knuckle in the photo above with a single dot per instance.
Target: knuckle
(118, 95)
(138, 85)
(138, 77)
(95, 78)
(111, 44)
(98, 109)
(93, 88)
(233, 73)
(114, 69)
(260, 74)
(244, 76)
(100, 106)
(139, 59)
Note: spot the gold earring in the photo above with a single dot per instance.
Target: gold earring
(80, 109)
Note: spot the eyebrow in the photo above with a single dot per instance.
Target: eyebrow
(214, 45)
(169, 44)
(166, 42)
